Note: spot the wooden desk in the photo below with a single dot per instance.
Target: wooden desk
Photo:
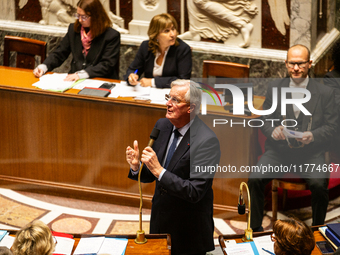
(156, 244)
(317, 235)
(74, 145)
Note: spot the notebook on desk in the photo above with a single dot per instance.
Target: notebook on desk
(335, 229)
(99, 92)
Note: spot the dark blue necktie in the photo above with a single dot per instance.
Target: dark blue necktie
(172, 148)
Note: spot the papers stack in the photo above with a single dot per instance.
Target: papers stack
(262, 245)
(54, 82)
(101, 245)
(155, 95)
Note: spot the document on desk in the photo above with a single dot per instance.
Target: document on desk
(113, 246)
(155, 95)
(292, 133)
(7, 241)
(124, 90)
(264, 242)
(64, 245)
(89, 83)
(54, 82)
(89, 245)
(248, 248)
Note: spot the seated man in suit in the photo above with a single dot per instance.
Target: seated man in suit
(183, 202)
(306, 154)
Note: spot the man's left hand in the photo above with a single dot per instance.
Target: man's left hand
(307, 138)
(149, 158)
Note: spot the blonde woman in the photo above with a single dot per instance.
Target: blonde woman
(34, 239)
(163, 58)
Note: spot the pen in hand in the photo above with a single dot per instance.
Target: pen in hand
(133, 78)
(268, 251)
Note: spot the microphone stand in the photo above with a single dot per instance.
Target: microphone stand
(248, 233)
(140, 239)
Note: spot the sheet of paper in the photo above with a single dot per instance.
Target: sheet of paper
(134, 91)
(7, 241)
(291, 133)
(264, 242)
(88, 83)
(89, 245)
(2, 233)
(115, 92)
(229, 242)
(113, 246)
(64, 245)
(157, 96)
(240, 249)
(54, 82)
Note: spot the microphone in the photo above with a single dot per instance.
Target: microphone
(140, 236)
(153, 136)
(241, 205)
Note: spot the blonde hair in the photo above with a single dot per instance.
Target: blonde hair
(158, 24)
(34, 239)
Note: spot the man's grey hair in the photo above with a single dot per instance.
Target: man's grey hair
(193, 95)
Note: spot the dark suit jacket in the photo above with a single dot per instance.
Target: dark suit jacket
(324, 118)
(177, 65)
(183, 206)
(101, 59)
(332, 79)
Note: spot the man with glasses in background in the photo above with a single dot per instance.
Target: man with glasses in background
(303, 156)
(183, 202)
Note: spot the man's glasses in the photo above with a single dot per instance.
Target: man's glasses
(83, 17)
(174, 100)
(300, 64)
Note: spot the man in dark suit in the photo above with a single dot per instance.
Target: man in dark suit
(183, 201)
(332, 79)
(302, 155)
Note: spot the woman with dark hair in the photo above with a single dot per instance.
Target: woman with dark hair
(163, 58)
(93, 42)
(292, 236)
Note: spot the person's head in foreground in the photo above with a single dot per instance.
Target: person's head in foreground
(34, 239)
(5, 251)
(183, 101)
(292, 236)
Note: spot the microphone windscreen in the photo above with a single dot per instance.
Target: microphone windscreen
(154, 134)
(241, 209)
